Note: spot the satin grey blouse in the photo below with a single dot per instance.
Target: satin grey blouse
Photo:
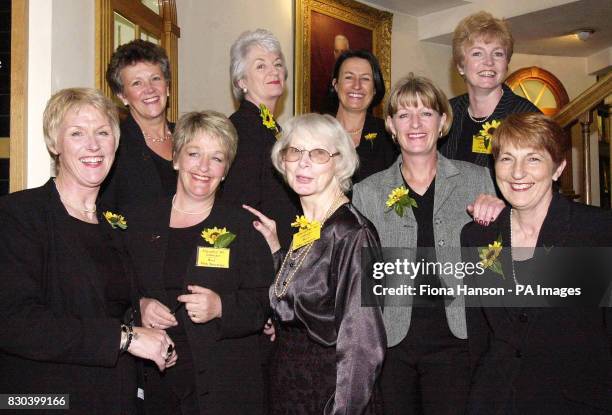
(325, 296)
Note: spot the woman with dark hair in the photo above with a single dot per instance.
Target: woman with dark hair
(357, 87)
(139, 75)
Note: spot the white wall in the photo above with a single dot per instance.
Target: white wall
(60, 55)
(208, 30)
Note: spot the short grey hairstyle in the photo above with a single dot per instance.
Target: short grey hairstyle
(240, 49)
(323, 127)
(66, 99)
(213, 123)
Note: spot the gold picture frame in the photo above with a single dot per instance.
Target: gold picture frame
(365, 20)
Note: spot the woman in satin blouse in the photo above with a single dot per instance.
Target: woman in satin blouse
(203, 273)
(329, 348)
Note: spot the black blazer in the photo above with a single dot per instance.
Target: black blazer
(542, 360)
(134, 175)
(56, 335)
(510, 103)
(226, 355)
(377, 153)
(252, 178)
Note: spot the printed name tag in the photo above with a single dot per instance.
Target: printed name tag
(213, 257)
(479, 145)
(306, 236)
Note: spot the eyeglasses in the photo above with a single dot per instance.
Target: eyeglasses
(317, 155)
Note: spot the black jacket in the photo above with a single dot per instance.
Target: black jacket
(56, 336)
(377, 152)
(134, 176)
(542, 360)
(226, 354)
(510, 103)
(252, 178)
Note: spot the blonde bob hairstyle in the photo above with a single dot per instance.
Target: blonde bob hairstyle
(531, 129)
(75, 98)
(408, 90)
(212, 123)
(328, 129)
(481, 25)
(240, 49)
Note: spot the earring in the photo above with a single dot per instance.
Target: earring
(244, 90)
(222, 178)
(393, 136)
(439, 133)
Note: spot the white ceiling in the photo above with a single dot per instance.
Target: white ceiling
(544, 32)
(418, 8)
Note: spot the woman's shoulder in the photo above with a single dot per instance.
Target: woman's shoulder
(474, 234)
(27, 201)
(348, 220)
(373, 183)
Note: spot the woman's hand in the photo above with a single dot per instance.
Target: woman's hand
(485, 209)
(265, 226)
(202, 304)
(155, 314)
(155, 345)
(269, 330)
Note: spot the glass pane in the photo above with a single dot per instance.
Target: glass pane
(151, 4)
(147, 36)
(125, 31)
(548, 100)
(533, 88)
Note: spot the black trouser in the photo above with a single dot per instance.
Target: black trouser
(173, 391)
(429, 371)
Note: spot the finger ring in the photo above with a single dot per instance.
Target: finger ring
(152, 325)
(193, 315)
(169, 352)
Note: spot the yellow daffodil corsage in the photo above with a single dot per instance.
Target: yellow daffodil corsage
(218, 237)
(304, 224)
(267, 118)
(398, 200)
(489, 256)
(371, 137)
(487, 131)
(115, 220)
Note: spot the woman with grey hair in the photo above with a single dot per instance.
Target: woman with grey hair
(258, 75)
(329, 348)
(203, 273)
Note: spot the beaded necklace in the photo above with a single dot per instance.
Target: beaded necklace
(281, 289)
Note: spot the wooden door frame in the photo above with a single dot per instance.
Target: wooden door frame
(19, 96)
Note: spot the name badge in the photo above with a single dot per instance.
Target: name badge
(213, 257)
(306, 236)
(481, 145)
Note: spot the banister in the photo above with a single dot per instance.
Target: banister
(584, 102)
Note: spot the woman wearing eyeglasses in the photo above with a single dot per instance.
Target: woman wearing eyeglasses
(329, 348)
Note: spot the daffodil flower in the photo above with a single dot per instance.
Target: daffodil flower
(398, 200)
(115, 220)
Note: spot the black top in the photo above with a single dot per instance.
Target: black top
(179, 253)
(376, 149)
(138, 174)
(225, 351)
(513, 350)
(454, 146)
(324, 295)
(62, 291)
(252, 178)
(423, 214)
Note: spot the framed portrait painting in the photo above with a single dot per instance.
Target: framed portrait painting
(325, 28)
